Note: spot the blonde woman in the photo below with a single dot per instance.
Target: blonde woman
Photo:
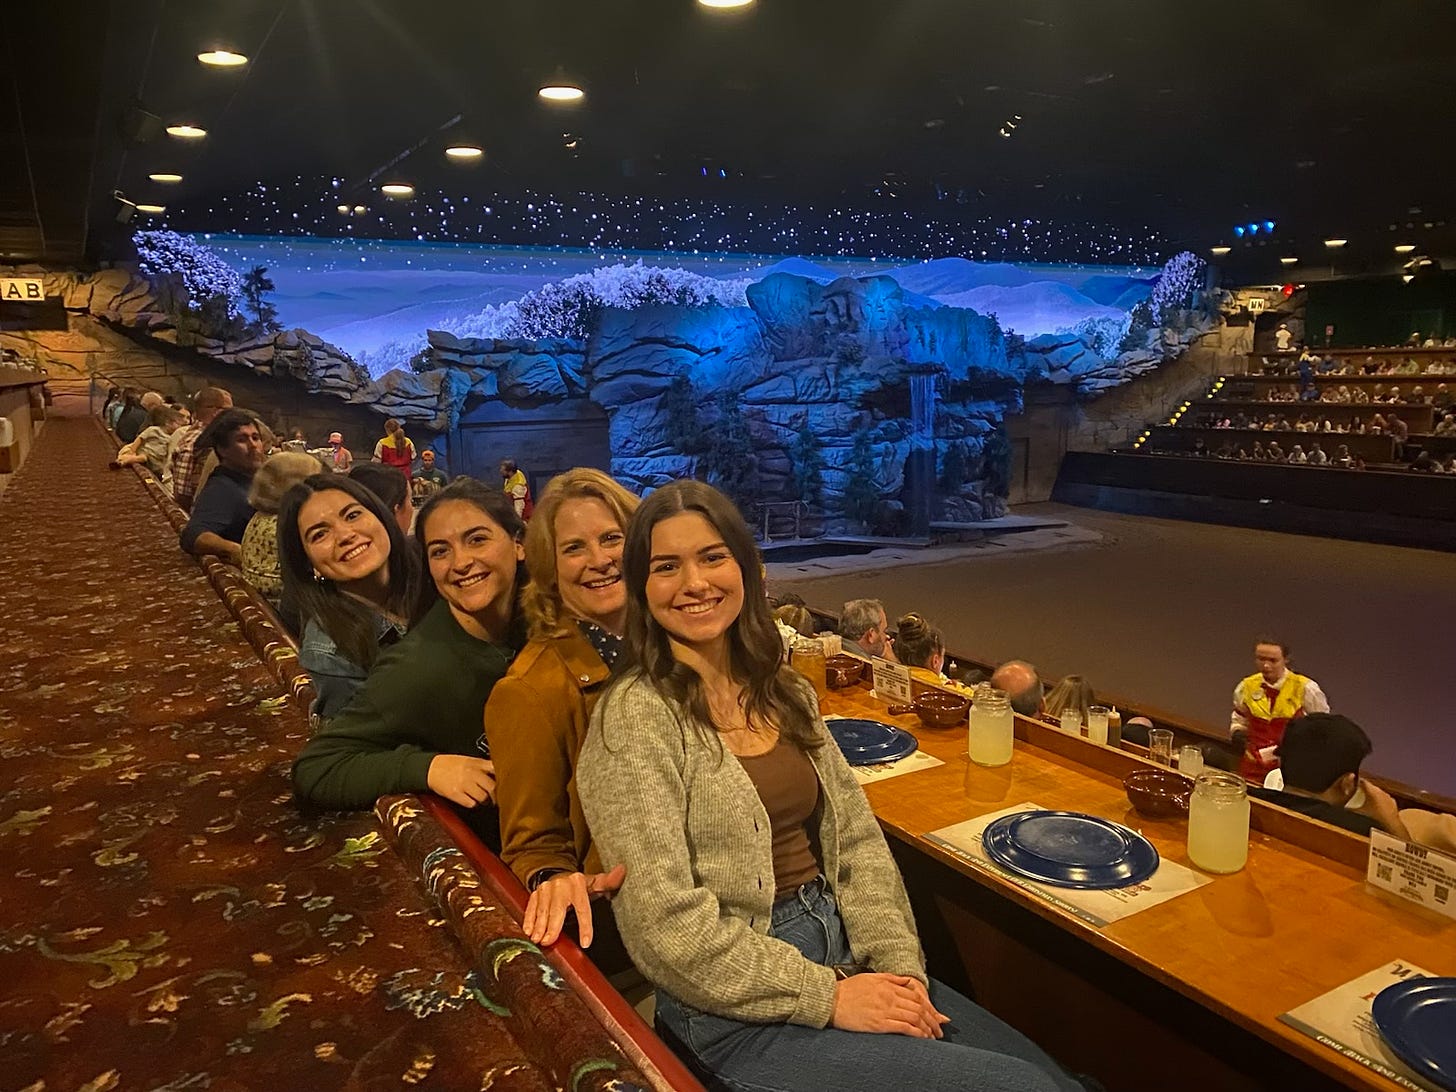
(576, 608)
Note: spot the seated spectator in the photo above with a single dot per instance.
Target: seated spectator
(796, 618)
(1303, 424)
(537, 716)
(1446, 426)
(1275, 453)
(1199, 448)
(1241, 420)
(390, 486)
(221, 513)
(1426, 463)
(1073, 693)
(1317, 456)
(351, 577)
(261, 567)
(1135, 730)
(1259, 454)
(1441, 399)
(1242, 453)
(1329, 426)
(1283, 425)
(112, 407)
(865, 629)
(1319, 759)
(151, 445)
(1418, 396)
(187, 459)
(1394, 397)
(1022, 685)
(740, 933)
(430, 478)
(1377, 425)
(1400, 432)
(921, 647)
(1360, 396)
(415, 723)
(132, 417)
(1297, 455)
(1226, 451)
(1342, 394)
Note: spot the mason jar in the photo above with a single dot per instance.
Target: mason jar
(993, 727)
(1218, 822)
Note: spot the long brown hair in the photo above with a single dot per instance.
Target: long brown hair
(542, 596)
(773, 692)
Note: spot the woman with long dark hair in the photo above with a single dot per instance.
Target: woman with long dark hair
(576, 604)
(415, 723)
(760, 897)
(352, 577)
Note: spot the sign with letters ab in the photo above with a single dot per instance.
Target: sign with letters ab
(22, 290)
(1413, 872)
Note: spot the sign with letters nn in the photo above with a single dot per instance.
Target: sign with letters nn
(22, 290)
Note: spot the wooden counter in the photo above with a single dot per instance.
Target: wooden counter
(1196, 983)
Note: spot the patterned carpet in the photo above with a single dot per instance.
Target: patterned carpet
(169, 920)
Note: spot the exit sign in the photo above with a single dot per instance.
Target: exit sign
(21, 290)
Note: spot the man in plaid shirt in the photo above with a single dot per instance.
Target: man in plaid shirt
(186, 459)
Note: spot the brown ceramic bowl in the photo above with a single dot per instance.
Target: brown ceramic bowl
(1158, 794)
(938, 709)
(844, 670)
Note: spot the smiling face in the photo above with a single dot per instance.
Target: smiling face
(473, 562)
(694, 585)
(589, 543)
(343, 540)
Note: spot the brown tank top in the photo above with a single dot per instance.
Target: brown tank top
(789, 788)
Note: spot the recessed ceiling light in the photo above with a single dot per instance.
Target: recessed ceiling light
(344, 209)
(155, 210)
(1405, 248)
(168, 178)
(186, 132)
(725, 3)
(465, 151)
(397, 189)
(222, 58)
(1287, 261)
(1407, 277)
(1335, 244)
(1220, 251)
(360, 210)
(561, 92)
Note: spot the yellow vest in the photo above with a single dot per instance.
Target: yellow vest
(1288, 702)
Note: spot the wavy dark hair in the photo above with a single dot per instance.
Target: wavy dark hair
(348, 622)
(773, 692)
(501, 510)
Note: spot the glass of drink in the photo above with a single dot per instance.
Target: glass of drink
(1097, 716)
(992, 728)
(807, 658)
(1190, 760)
(1160, 746)
(1071, 719)
(1218, 823)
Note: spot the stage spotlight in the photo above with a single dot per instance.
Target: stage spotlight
(186, 132)
(465, 151)
(1407, 277)
(1269, 226)
(561, 91)
(344, 210)
(1335, 244)
(166, 178)
(397, 190)
(222, 58)
(1219, 251)
(1405, 248)
(360, 210)
(1239, 231)
(1253, 229)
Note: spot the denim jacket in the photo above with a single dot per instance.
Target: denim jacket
(335, 676)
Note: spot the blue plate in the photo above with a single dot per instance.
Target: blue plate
(868, 742)
(1069, 849)
(1417, 1018)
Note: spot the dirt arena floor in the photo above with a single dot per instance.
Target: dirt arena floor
(1167, 611)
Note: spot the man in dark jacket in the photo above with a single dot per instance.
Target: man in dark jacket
(221, 512)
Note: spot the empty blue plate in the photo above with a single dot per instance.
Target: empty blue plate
(869, 743)
(1070, 849)
(1418, 1021)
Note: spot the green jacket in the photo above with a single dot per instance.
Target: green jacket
(424, 697)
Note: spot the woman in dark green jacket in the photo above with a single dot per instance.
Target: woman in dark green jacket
(415, 723)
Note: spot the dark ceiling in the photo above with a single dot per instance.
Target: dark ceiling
(1326, 116)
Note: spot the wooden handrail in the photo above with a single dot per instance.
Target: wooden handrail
(638, 1041)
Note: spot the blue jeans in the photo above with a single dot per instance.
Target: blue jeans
(978, 1051)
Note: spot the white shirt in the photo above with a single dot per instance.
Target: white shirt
(1314, 701)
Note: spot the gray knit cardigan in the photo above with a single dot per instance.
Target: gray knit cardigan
(695, 908)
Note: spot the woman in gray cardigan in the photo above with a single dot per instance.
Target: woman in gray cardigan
(760, 897)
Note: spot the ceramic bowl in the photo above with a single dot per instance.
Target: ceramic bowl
(842, 671)
(938, 709)
(1158, 794)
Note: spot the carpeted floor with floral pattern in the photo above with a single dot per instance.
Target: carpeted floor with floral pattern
(168, 920)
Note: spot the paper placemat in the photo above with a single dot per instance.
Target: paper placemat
(1097, 908)
(911, 763)
(1341, 1020)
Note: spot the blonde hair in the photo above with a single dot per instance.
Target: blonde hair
(542, 597)
(277, 475)
(1073, 692)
